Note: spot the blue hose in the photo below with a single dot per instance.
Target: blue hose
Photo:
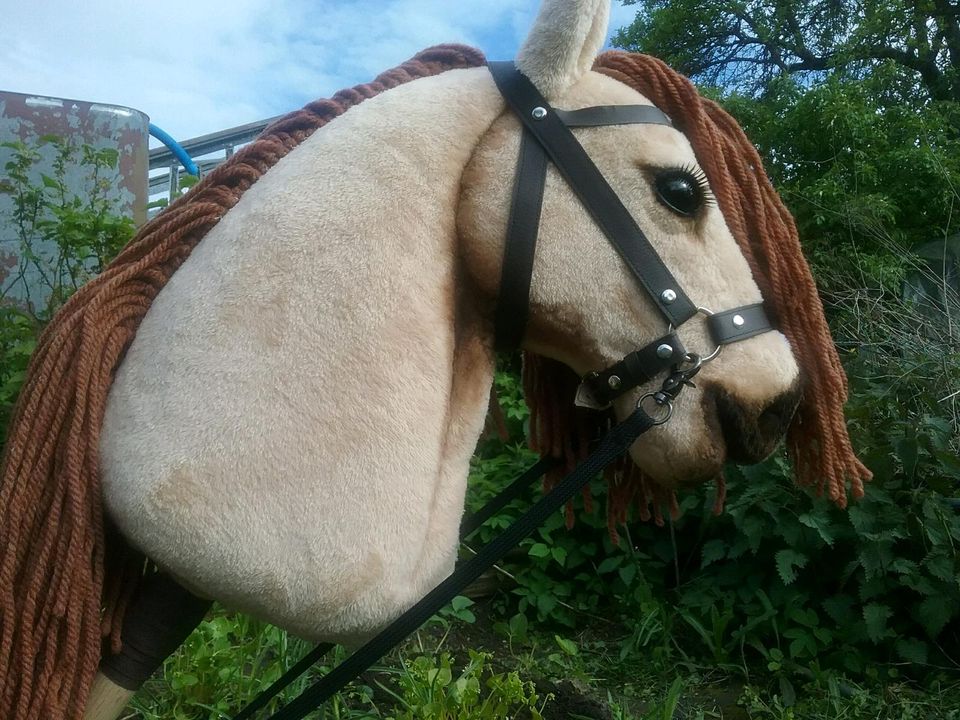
(177, 149)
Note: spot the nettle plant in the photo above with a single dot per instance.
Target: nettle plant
(781, 577)
(56, 236)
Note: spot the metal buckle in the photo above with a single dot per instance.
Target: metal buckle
(716, 351)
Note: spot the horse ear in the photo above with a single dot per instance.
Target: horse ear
(563, 43)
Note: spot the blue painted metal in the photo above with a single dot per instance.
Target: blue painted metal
(177, 149)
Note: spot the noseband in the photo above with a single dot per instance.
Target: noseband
(547, 136)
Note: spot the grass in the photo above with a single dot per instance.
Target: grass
(453, 670)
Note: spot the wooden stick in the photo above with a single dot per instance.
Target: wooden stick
(107, 699)
(160, 617)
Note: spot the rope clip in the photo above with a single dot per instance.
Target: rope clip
(672, 386)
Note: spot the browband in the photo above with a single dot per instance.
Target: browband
(603, 115)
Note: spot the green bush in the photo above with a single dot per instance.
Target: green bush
(63, 237)
(784, 577)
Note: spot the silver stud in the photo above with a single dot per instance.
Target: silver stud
(738, 320)
(665, 352)
(614, 381)
(668, 296)
(539, 113)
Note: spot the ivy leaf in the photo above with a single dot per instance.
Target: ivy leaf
(787, 692)
(819, 523)
(559, 554)
(610, 564)
(876, 616)
(908, 450)
(787, 561)
(712, 551)
(935, 612)
(460, 603)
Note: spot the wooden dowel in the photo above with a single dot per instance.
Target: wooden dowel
(107, 699)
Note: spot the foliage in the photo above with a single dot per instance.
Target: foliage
(783, 578)
(230, 658)
(222, 665)
(747, 44)
(63, 236)
(862, 172)
(429, 691)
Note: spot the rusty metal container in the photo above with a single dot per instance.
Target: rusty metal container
(31, 118)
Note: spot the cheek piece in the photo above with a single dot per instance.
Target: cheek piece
(547, 137)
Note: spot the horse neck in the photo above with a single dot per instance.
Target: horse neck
(409, 339)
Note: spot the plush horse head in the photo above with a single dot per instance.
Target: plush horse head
(587, 310)
(290, 428)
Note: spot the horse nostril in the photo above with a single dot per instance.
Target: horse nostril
(750, 438)
(775, 418)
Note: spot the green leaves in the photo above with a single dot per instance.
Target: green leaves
(787, 562)
(751, 45)
(875, 616)
(61, 237)
(935, 611)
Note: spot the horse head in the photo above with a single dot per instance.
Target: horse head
(586, 309)
(274, 393)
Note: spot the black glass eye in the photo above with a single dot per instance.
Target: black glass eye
(682, 190)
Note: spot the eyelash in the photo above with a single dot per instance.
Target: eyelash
(700, 176)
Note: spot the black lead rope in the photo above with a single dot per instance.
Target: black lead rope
(613, 445)
(470, 525)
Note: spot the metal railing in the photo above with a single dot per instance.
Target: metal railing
(167, 183)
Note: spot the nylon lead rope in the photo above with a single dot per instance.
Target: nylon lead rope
(613, 445)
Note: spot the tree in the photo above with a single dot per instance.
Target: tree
(742, 44)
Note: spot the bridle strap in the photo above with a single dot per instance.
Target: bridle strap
(600, 200)
(547, 134)
(603, 115)
(738, 324)
(598, 389)
(513, 299)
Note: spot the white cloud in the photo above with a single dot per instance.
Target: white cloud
(197, 66)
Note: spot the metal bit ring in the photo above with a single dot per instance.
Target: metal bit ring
(664, 409)
(716, 351)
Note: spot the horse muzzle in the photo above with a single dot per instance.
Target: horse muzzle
(751, 434)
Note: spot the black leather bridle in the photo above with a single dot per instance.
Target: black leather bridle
(547, 136)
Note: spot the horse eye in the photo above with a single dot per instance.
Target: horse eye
(680, 190)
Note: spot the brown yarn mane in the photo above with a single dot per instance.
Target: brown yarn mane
(64, 586)
(817, 440)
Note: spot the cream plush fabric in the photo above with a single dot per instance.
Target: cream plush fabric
(291, 429)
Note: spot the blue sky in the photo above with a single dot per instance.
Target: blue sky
(197, 66)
